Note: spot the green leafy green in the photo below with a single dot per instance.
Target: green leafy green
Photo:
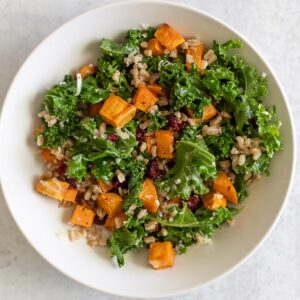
(104, 168)
(123, 240)
(61, 100)
(220, 145)
(77, 167)
(184, 218)
(107, 66)
(91, 92)
(157, 121)
(259, 166)
(126, 145)
(268, 129)
(194, 164)
(136, 170)
(209, 221)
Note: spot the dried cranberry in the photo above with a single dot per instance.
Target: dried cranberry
(183, 124)
(193, 203)
(62, 168)
(72, 182)
(113, 137)
(116, 183)
(97, 221)
(139, 134)
(173, 123)
(154, 171)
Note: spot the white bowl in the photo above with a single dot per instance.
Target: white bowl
(42, 223)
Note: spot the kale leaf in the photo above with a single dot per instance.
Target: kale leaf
(77, 167)
(220, 145)
(194, 164)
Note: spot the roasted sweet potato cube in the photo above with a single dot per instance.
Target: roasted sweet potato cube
(214, 200)
(223, 185)
(105, 186)
(115, 222)
(111, 203)
(70, 195)
(176, 201)
(209, 111)
(161, 255)
(156, 47)
(144, 98)
(157, 89)
(168, 37)
(149, 196)
(47, 155)
(87, 70)
(117, 111)
(165, 143)
(82, 216)
(197, 53)
(94, 109)
(52, 188)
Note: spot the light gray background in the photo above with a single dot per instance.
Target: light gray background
(273, 272)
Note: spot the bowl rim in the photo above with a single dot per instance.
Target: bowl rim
(293, 139)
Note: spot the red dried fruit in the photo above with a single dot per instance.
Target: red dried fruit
(115, 183)
(183, 124)
(72, 182)
(154, 171)
(113, 137)
(173, 123)
(193, 203)
(62, 168)
(139, 134)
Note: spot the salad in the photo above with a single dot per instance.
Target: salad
(155, 144)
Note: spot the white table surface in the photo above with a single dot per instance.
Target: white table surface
(273, 272)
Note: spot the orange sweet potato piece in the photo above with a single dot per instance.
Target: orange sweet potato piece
(115, 222)
(168, 37)
(105, 186)
(223, 185)
(52, 188)
(161, 255)
(214, 200)
(144, 98)
(94, 109)
(165, 143)
(111, 203)
(117, 111)
(82, 216)
(176, 200)
(197, 53)
(156, 47)
(70, 195)
(209, 111)
(149, 195)
(87, 70)
(47, 155)
(157, 89)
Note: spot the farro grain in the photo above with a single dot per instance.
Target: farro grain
(142, 213)
(154, 151)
